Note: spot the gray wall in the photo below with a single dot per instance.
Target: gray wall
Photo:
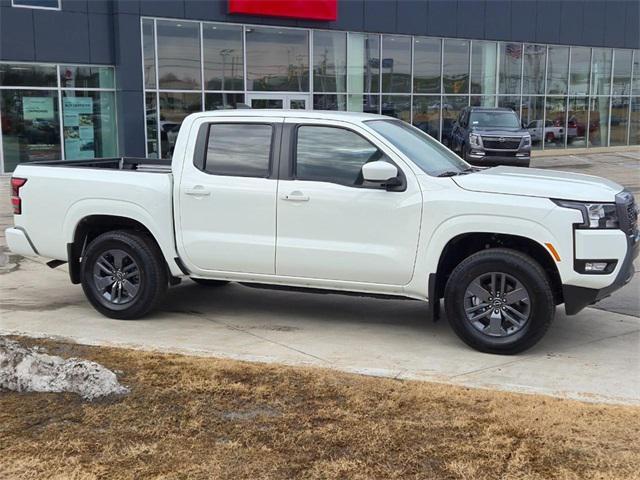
(108, 31)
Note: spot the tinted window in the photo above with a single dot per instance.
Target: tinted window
(239, 150)
(336, 155)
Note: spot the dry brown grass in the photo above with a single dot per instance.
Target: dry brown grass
(191, 417)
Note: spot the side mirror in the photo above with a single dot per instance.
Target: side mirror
(379, 171)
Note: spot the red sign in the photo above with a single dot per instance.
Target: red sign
(302, 9)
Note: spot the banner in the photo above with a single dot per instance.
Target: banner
(303, 9)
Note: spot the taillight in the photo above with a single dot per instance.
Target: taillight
(16, 201)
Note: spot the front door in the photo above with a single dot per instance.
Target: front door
(331, 225)
(292, 101)
(226, 198)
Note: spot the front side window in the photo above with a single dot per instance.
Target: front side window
(428, 154)
(241, 150)
(332, 154)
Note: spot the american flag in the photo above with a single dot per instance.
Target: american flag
(514, 50)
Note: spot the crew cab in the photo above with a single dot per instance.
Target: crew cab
(491, 136)
(331, 202)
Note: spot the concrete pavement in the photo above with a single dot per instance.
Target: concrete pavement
(594, 356)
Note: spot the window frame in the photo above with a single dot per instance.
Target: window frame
(37, 7)
(202, 146)
(293, 163)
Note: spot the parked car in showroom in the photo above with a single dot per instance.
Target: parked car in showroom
(491, 136)
(334, 202)
(551, 133)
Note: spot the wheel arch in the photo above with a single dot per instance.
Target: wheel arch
(463, 245)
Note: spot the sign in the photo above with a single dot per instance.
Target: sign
(303, 9)
(37, 108)
(78, 127)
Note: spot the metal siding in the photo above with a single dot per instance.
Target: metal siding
(74, 6)
(61, 36)
(571, 22)
(593, 30)
(380, 16)
(101, 38)
(614, 30)
(126, 6)
(164, 8)
(470, 18)
(548, 21)
(523, 20)
(127, 52)
(100, 6)
(441, 18)
(497, 19)
(131, 124)
(211, 10)
(16, 34)
(632, 33)
(412, 17)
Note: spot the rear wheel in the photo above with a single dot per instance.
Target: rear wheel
(499, 301)
(210, 283)
(123, 274)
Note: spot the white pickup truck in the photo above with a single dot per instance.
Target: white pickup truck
(330, 201)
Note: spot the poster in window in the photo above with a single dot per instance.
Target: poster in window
(37, 108)
(78, 128)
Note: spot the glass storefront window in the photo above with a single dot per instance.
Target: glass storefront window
(27, 75)
(363, 63)
(149, 53)
(222, 101)
(622, 72)
(152, 125)
(396, 64)
(578, 128)
(89, 124)
(599, 121)
(427, 54)
(397, 106)
(222, 56)
(426, 114)
(451, 108)
(77, 76)
(363, 103)
(579, 71)
(277, 59)
(535, 60)
(30, 126)
(634, 124)
(510, 101)
(558, 71)
(329, 61)
(484, 57)
(556, 115)
(174, 107)
(329, 102)
(601, 71)
(635, 86)
(533, 120)
(510, 68)
(619, 120)
(178, 54)
(455, 67)
(483, 101)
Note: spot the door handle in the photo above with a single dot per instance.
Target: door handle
(296, 196)
(197, 191)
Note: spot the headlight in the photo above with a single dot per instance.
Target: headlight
(526, 141)
(475, 140)
(594, 215)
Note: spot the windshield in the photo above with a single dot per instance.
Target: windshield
(426, 152)
(494, 119)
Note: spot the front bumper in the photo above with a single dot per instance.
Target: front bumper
(576, 298)
(481, 159)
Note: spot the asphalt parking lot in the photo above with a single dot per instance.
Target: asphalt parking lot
(593, 356)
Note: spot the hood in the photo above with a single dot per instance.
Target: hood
(501, 132)
(535, 182)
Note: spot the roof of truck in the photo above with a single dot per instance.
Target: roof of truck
(324, 114)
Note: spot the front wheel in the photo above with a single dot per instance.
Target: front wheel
(123, 274)
(499, 301)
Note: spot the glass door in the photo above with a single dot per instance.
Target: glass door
(279, 101)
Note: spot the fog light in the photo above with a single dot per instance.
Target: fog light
(595, 266)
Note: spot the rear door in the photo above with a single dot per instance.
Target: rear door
(227, 196)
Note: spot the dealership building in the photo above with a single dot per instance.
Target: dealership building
(101, 78)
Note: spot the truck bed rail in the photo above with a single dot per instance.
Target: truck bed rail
(152, 165)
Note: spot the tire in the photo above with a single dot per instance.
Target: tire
(500, 336)
(205, 282)
(132, 258)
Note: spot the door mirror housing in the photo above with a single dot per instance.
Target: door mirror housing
(379, 171)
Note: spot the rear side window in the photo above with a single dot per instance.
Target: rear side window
(331, 154)
(236, 149)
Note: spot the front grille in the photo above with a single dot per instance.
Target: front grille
(628, 212)
(491, 153)
(501, 143)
